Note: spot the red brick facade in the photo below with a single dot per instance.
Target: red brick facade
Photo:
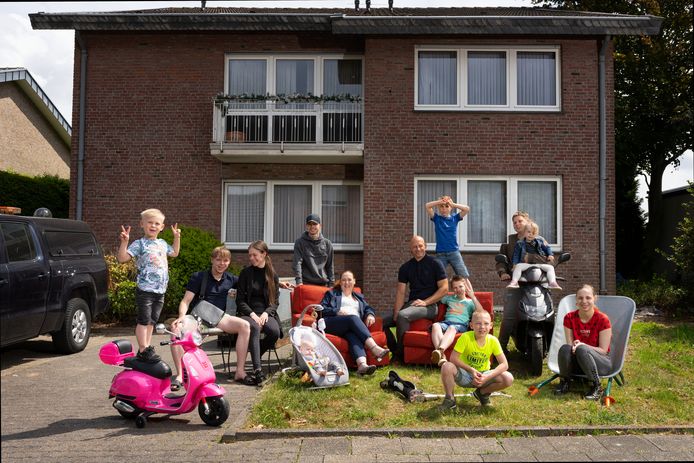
(149, 125)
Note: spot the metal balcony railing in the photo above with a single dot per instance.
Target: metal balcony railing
(275, 122)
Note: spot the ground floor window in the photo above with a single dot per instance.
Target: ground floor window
(275, 211)
(492, 201)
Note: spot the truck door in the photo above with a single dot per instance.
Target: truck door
(24, 279)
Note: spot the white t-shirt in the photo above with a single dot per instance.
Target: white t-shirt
(349, 306)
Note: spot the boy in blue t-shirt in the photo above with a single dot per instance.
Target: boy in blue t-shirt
(151, 254)
(459, 309)
(446, 226)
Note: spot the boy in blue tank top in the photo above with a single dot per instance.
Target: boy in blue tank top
(446, 227)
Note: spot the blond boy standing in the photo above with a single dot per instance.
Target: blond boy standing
(151, 254)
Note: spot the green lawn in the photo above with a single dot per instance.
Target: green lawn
(658, 371)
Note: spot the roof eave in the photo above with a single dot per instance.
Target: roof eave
(340, 24)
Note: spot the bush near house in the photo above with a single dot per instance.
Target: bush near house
(196, 246)
(30, 193)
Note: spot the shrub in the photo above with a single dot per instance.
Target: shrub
(30, 193)
(682, 254)
(658, 292)
(196, 246)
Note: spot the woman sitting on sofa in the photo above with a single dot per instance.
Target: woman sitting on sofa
(348, 316)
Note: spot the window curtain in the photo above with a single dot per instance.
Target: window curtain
(294, 76)
(342, 76)
(341, 213)
(247, 76)
(487, 217)
(430, 190)
(537, 82)
(437, 79)
(292, 203)
(486, 78)
(245, 213)
(539, 199)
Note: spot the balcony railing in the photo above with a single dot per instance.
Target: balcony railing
(263, 122)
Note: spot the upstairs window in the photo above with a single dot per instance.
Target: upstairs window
(487, 78)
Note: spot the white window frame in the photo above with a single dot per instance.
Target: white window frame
(271, 69)
(268, 223)
(511, 78)
(511, 206)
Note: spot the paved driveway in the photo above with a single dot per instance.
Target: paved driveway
(56, 409)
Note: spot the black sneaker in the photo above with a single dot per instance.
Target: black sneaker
(148, 355)
(447, 405)
(595, 392)
(483, 398)
(563, 387)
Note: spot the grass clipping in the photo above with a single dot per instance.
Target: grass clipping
(658, 368)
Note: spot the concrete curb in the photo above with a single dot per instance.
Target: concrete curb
(529, 431)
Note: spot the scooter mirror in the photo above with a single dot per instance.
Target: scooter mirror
(501, 258)
(160, 328)
(564, 256)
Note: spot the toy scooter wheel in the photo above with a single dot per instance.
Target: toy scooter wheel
(140, 421)
(216, 412)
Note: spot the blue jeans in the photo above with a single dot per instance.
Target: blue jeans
(456, 260)
(353, 329)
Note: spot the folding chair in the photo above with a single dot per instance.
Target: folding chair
(621, 312)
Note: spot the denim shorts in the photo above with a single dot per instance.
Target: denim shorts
(456, 260)
(459, 327)
(464, 379)
(149, 307)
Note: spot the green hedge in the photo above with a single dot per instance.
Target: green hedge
(196, 246)
(30, 193)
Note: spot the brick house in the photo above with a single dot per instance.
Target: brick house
(502, 108)
(34, 136)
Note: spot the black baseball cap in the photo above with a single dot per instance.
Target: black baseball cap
(313, 218)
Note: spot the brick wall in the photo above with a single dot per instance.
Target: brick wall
(149, 124)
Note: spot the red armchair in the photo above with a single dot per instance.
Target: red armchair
(417, 340)
(304, 295)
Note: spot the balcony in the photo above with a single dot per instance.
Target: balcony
(288, 131)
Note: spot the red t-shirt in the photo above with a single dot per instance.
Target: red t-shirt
(587, 333)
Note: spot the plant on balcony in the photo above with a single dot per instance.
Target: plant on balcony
(291, 98)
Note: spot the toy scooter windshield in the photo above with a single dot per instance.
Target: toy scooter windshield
(193, 336)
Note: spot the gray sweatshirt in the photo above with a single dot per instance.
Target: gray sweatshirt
(313, 261)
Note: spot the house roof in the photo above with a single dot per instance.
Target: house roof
(35, 93)
(339, 21)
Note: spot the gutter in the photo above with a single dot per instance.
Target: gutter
(602, 135)
(80, 150)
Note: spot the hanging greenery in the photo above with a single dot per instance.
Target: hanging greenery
(291, 98)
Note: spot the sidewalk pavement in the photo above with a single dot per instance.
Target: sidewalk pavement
(55, 408)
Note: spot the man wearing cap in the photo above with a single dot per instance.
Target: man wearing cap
(313, 256)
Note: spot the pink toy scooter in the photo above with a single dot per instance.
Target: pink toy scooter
(142, 389)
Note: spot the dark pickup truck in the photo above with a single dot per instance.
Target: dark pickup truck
(53, 279)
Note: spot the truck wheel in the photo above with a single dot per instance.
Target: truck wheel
(73, 336)
(536, 356)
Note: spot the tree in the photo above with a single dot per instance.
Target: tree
(682, 250)
(653, 99)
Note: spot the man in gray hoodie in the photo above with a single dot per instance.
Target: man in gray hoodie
(313, 256)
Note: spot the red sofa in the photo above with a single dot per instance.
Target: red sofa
(309, 294)
(417, 340)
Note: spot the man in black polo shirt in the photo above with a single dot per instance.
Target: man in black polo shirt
(428, 284)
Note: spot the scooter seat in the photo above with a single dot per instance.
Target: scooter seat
(158, 370)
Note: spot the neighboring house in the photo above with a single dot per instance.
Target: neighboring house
(502, 108)
(673, 213)
(34, 137)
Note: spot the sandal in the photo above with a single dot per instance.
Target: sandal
(246, 381)
(175, 385)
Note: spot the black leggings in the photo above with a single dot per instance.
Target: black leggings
(258, 347)
(585, 361)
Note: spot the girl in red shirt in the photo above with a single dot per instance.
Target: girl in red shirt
(587, 350)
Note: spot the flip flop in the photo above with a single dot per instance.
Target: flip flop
(175, 385)
(246, 381)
